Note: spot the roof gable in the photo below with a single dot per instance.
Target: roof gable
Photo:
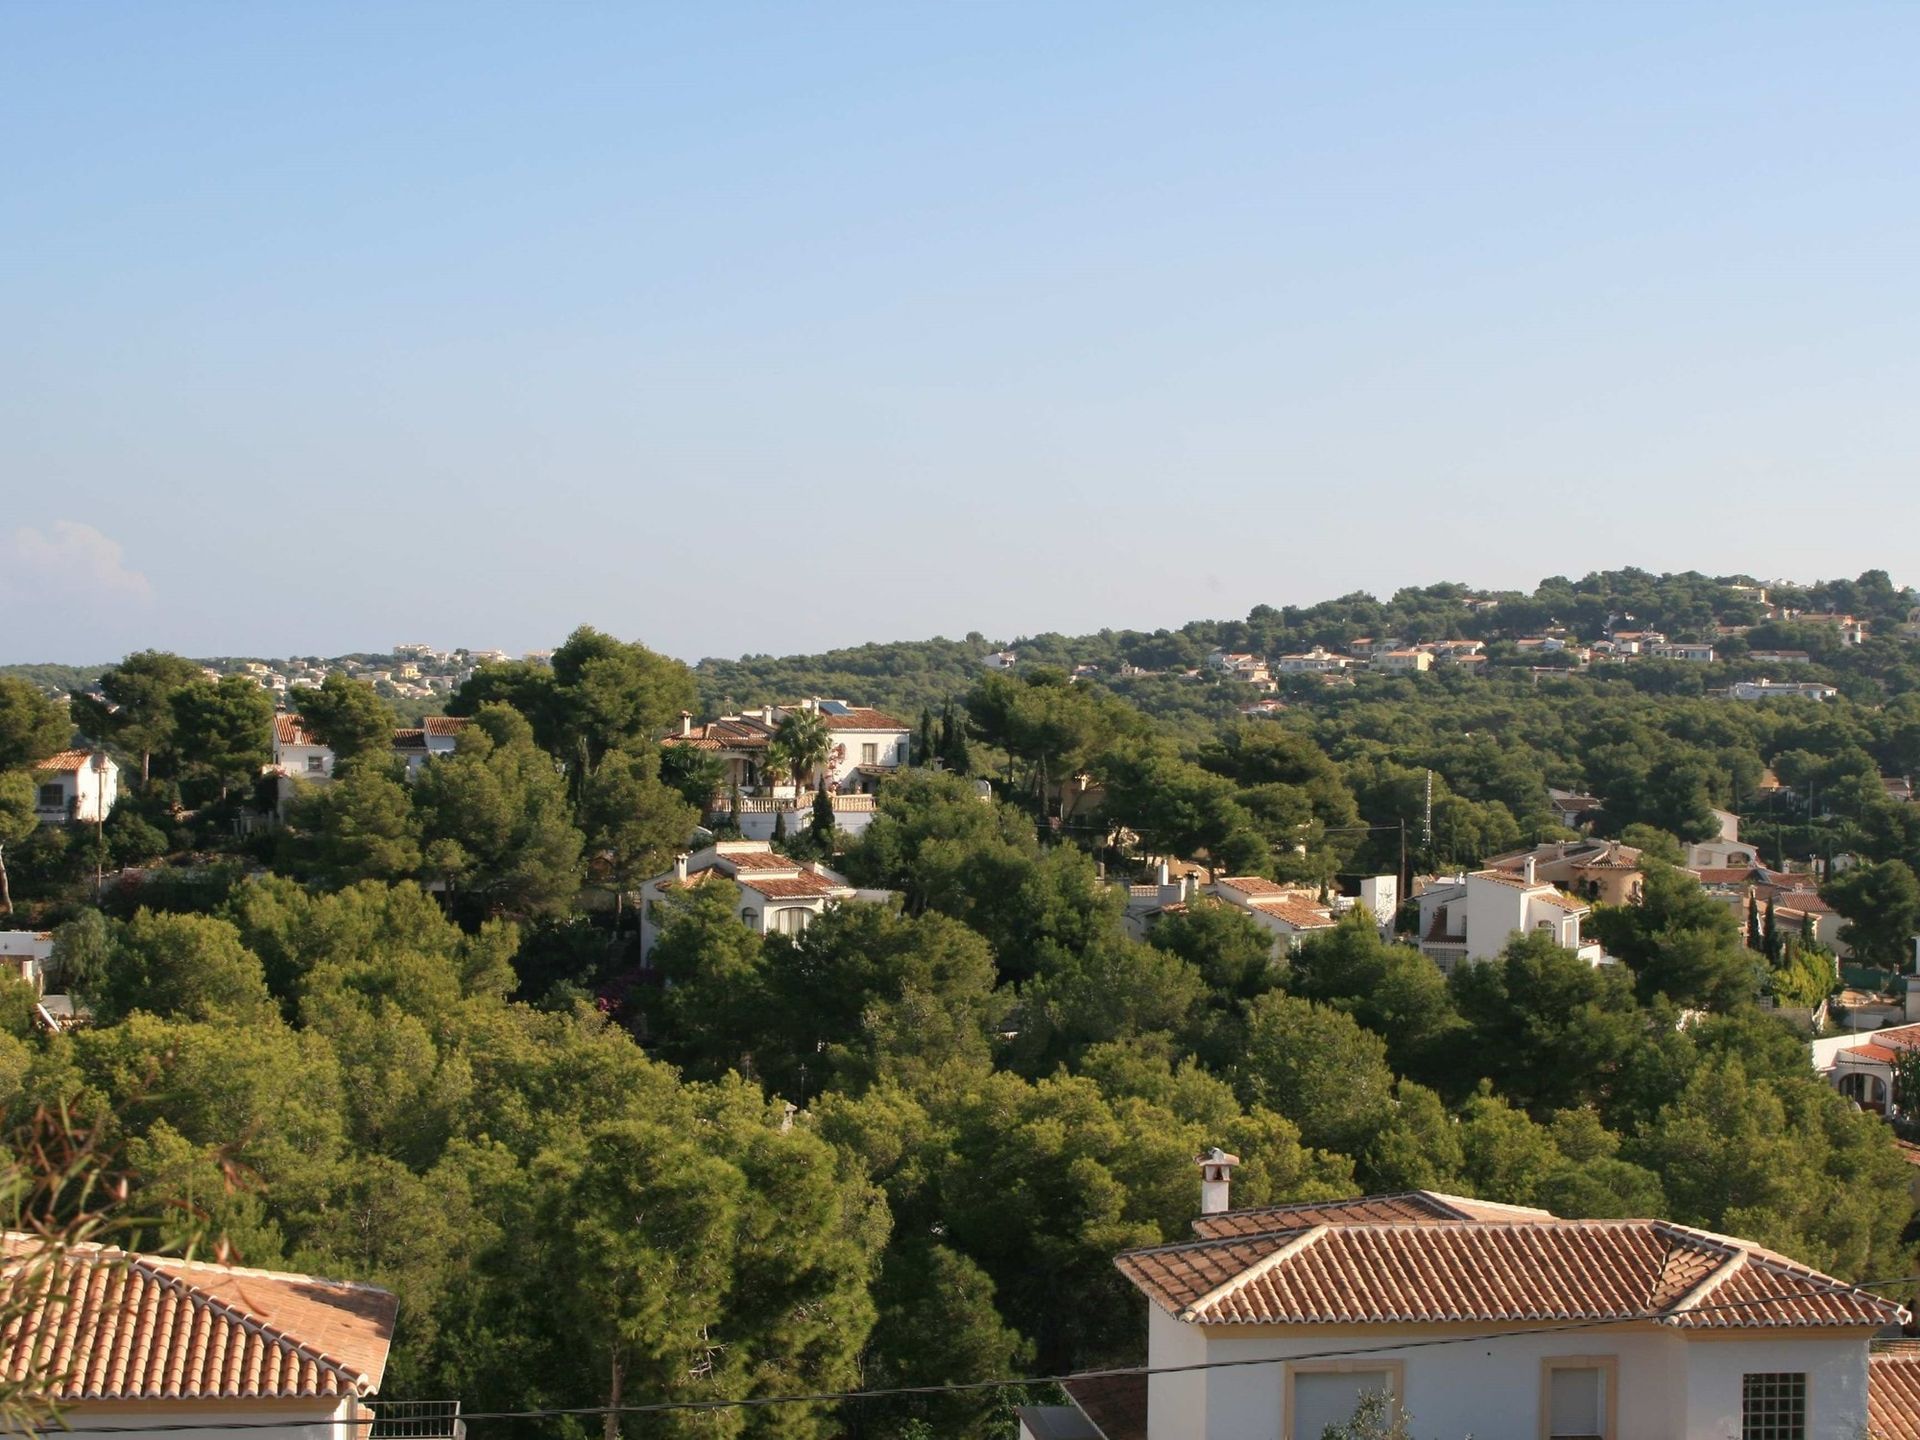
(113, 1326)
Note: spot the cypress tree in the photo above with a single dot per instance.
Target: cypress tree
(1771, 934)
(925, 757)
(779, 828)
(822, 826)
(1753, 922)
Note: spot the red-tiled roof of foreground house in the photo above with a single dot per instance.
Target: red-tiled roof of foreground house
(1491, 1268)
(443, 724)
(291, 730)
(105, 1325)
(1425, 1207)
(1893, 1391)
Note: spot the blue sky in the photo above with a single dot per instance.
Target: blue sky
(766, 328)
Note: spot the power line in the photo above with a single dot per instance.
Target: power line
(977, 1386)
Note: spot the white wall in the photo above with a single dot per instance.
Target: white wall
(886, 745)
(301, 1420)
(1669, 1387)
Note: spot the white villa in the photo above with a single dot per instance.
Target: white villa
(778, 895)
(75, 786)
(868, 746)
(1495, 1321)
(1472, 917)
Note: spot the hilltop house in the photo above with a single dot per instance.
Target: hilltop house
(75, 785)
(1780, 689)
(1601, 870)
(1495, 1321)
(868, 746)
(778, 895)
(138, 1341)
(1472, 917)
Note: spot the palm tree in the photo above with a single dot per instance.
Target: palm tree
(802, 740)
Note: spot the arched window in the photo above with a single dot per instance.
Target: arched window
(750, 917)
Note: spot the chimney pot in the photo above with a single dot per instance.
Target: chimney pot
(1530, 870)
(1216, 1176)
(680, 868)
(686, 722)
(1163, 872)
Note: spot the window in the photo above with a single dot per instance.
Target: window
(870, 754)
(750, 917)
(1323, 1393)
(315, 764)
(900, 753)
(52, 797)
(792, 920)
(1577, 1397)
(1773, 1406)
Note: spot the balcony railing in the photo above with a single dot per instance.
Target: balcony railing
(416, 1420)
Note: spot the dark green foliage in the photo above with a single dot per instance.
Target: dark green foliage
(31, 726)
(347, 716)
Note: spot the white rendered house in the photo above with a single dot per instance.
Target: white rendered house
(778, 895)
(1475, 916)
(75, 785)
(1493, 1321)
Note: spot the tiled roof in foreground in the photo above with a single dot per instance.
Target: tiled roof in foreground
(113, 1326)
(1428, 1207)
(1339, 1267)
(1893, 1392)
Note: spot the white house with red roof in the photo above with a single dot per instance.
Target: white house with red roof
(1495, 1321)
(1289, 913)
(75, 786)
(778, 895)
(122, 1340)
(1474, 916)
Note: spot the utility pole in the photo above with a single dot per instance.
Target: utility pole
(1426, 833)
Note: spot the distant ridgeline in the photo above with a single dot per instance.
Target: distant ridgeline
(1756, 628)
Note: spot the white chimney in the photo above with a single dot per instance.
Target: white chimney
(1163, 872)
(680, 869)
(686, 722)
(1216, 1175)
(1530, 870)
(766, 714)
(1186, 886)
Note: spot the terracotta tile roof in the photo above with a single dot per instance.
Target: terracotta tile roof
(291, 730)
(1879, 1053)
(1563, 902)
(410, 739)
(756, 860)
(443, 724)
(1893, 1395)
(1415, 1207)
(1116, 1404)
(1725, 874)
(118, 1327)
(1254, 885)
(1494, 1271)
(65, 761)
(1295, 910)
(860, 718)
(1909, 1152)
(1518, 881)
(805, 885)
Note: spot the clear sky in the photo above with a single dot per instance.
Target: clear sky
(767, 328)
